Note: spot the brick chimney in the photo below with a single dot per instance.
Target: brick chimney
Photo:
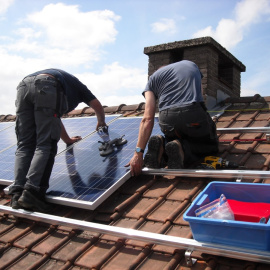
(221, 70)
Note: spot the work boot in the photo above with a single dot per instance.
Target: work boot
(31, 202)
(14, 201)
(175, 155)
(154, 153)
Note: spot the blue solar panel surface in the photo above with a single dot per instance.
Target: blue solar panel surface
(82, 126)
(7, 158)
(7, 151)
(82, 178)
(8, 136)
(8, 144)
(4, 125)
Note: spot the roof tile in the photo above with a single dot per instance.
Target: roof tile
(127, 257)
(98, 254)
(147, 203)
(10, 255)
(140, 208)
(167, 211)
(157, 260)
(74, 247)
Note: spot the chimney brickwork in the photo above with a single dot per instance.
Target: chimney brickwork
(220, 69)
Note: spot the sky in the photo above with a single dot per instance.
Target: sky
(101, 42)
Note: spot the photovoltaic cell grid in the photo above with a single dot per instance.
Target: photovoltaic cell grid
(8, 145)
(8, 136)
(82, 178)
(81, 127)
(7, 159)
(4, 125)
(7, 152)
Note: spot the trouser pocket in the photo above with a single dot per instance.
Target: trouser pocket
(167, 129)
(46, 94)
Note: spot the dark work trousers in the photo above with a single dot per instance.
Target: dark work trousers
(193, 127)
(38, 129)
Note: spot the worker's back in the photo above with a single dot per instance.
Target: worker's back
(176, 85)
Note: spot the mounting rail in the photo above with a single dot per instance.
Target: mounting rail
(244, 130)
(189, 245)
(208, 173)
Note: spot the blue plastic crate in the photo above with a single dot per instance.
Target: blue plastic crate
(229, 232)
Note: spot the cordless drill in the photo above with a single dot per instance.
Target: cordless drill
(214, 163)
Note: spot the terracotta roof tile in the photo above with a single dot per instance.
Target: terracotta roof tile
(97, 254)
(146, 203)
(21, 258)
(126, 257)
(141, 208)
(158, 260)
(163, 211)
(147, 226)
(174, 230)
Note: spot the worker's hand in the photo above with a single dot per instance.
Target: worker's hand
(103, 124)
(72, 140)
(136, 164)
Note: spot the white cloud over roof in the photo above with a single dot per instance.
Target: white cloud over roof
(4, 5)
(62, 36)
(164, 25)
(229, 32)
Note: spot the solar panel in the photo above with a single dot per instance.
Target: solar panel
(8, 144)
(8, 136)
(82, 178)
(4, 125)
(7, 165)
(82, 126)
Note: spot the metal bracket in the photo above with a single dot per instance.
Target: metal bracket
(268, 137)
(238, 180)
(189, 260)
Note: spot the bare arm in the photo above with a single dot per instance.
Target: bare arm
(145, 130)
(95, 104)
(97, 107)
(65, 137)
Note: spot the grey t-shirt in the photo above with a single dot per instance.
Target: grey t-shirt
(176, 85)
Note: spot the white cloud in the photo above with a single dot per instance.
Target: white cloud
(245, 92)
(113, 100)
(230, 32)
(255, 82)
(116, 84)
(4, 5)
(56, 36)
(66, 27)
(164, 25)
(113, 86)
(63, 34)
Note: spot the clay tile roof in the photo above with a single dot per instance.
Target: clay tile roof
(147, 203)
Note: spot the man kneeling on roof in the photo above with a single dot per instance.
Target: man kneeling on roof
(42, 98)
(189, 131)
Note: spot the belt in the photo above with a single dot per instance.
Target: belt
(46, 74)
(184, 107)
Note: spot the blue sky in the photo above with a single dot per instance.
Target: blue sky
(102, 41)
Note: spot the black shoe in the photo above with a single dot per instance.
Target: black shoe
(31, 202)
(14, 201)
(175, 155)
(154, 153)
